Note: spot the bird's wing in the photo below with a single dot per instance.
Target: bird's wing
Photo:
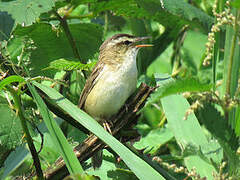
(90, 83)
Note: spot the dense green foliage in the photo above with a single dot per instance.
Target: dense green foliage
(189, 126)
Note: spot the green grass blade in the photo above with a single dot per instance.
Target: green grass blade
(59, 139)
(188, 134)
(140, 168)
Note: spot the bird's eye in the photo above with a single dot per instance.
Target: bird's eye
(127, 42)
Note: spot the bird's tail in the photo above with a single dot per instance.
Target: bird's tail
(97, 159)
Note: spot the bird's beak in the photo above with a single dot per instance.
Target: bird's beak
(143, 45)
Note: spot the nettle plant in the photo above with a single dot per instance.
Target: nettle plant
(182, 122)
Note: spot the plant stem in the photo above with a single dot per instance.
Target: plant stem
(90, 15)
(105, 24)
(231, 56)
(66, 29)
(23, 120)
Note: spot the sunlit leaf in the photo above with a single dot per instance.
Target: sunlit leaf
(168, 86)
(188, 134)
(25, 12)
(69, 65)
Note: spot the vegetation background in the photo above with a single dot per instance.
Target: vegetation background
(189, 126)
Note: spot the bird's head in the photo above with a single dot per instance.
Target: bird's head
(121, 45)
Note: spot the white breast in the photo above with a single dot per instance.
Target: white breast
(112, 89)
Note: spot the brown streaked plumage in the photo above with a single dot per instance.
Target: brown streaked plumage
(112, 81)
(91, 81)
(111, 56)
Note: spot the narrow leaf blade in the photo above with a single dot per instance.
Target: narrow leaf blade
(141, 169)
(61, 143)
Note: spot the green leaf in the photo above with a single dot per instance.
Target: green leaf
(138, 27)
(14, 160)
(57, 135)
(140, 168)
(127, 8)
(6, 26)
(14, 50)
(221, 130)
(109, 170)
(81, 176)
(172, 13)
(9, 80)
(168, 86)
(10, 130)
(154, 139)
(47, 44)
(69, 65)
(25, 12)
(188, 133)
(237, 127)
(193, 51)
(236, 4)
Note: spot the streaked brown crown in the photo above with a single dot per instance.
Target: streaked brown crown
(118, 40)
(115, 48)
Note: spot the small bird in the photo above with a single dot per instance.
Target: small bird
(112, 81)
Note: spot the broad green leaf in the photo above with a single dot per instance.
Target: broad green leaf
(14, 160)
(26, 12)
(138, 28)
(221, 130)
(236, 4)
(109, 170)
(194, 48)
(10, 130)
(140, 168)
(186, 131)
(162, 64)
(57, 135)
(69, 65)
(168, 86)
(14, 50)
(9, 80)
(154, 140)
(47, 44)
(188, 134)
(6, 25)
(127, 8)
(173, 13)
(83, 1)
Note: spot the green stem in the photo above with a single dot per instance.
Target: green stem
(66, 29)
(90, 15)
(231, 56)
(23, 120)
(105, 24)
